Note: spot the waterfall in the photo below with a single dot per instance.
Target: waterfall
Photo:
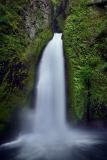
(50, 101)
(50, 138)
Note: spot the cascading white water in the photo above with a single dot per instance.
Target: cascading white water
(51, 137)
(50, 102)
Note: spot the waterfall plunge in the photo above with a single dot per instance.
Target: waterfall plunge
(51, 138)
(50, 102)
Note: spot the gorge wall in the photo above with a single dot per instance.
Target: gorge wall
(85, 41)
(25, 28)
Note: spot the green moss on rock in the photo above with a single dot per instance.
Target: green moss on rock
(85, 52)
(19, 53)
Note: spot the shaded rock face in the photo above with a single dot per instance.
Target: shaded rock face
(85, 36)
(37, 16)
(25, 30)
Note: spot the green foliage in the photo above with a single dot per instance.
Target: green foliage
(85, 52)
(18, 56)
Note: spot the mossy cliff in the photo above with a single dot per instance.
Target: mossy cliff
(24, 31)
(85, 45)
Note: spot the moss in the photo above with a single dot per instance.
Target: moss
(85, 52)
(19, 53)
(18, 81)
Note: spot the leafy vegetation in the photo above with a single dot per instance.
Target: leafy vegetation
(85, 52)
(18, 56)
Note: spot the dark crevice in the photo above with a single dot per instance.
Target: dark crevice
(57, 12)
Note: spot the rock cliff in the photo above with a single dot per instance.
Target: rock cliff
(25, 30)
